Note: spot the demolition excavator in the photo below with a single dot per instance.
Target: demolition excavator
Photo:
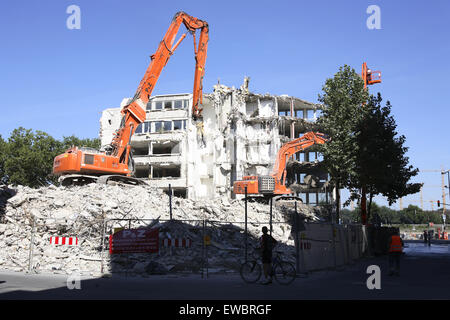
(275, 184)
(84, 165)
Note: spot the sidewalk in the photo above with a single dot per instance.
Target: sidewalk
(425, 274)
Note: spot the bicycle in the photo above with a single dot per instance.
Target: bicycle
(284, 272)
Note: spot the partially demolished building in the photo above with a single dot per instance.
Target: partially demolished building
(240, 134)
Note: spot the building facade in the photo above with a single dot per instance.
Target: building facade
(240, 134)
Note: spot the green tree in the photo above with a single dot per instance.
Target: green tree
(380, 215)
(388, 215)
(71, 141)
(381, 164)
(409, 215)
(375, 218)
(29, 157)
(365, 152)
(342, 98)
(2, 156)
(349, 216)
(385, 215)
(434, 216)
(412, 214)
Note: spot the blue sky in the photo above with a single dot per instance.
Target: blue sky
(59, 80)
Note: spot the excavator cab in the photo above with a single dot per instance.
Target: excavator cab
(255, 185)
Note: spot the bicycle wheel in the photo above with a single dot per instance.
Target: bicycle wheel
(284, 272)
(250, 271)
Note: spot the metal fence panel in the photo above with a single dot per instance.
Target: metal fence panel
(180, 248)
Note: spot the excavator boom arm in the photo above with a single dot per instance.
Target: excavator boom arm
(134, 112)
(166, 49)
(275, 184)
(290, 148)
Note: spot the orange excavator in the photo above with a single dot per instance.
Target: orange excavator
(275, 184)
(84, 165)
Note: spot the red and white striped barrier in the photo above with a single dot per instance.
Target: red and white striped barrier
(179, 243)
(64, 241)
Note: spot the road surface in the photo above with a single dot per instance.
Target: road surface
(425, 274)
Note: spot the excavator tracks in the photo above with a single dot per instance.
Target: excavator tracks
(80, 180)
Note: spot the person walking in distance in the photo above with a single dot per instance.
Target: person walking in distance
(267, 244)
(395, 251)
(425, 237)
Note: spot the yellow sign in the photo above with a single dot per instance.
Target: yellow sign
(117, 230)
(207, 240)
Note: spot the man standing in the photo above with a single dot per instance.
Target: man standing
(425, 237)
(267, 244)
(395, 251)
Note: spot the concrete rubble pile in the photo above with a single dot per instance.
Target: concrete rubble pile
(5, 194)
(80, 211)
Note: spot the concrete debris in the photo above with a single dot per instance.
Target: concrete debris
(81, 211)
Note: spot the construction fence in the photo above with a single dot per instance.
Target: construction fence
(203, 247)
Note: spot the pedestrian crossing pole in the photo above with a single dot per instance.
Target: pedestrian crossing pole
(443, 196)
(245, 223)
(443, 190)
(170, 201)
(271, 203)
(421, 197)
(297, 244)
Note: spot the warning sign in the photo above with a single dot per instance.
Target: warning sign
(134, 241)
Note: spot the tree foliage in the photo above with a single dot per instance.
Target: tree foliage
(26, 158)
(381, 162)
(72, 141)
(342, 97)
(2, 156)
(365, 149)
(385, 215)
(29, 157)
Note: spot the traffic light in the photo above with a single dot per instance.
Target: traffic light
(439, 203)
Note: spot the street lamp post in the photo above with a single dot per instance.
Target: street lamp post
(448, 179)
